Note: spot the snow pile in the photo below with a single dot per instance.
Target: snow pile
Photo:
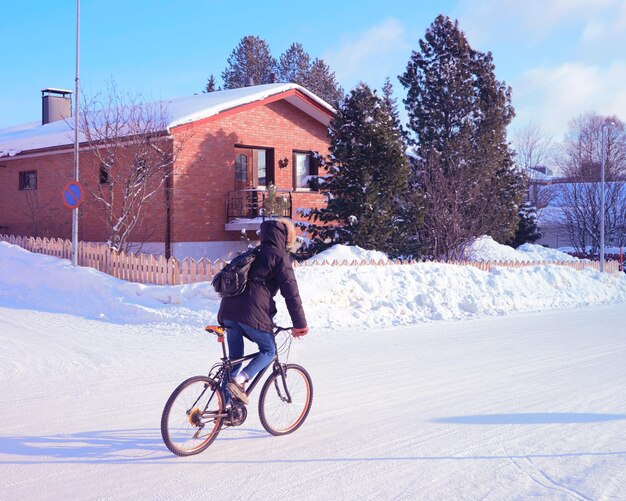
(541, 253)
(486, 248)
(348, 253)
(45, 283)
(333, 296)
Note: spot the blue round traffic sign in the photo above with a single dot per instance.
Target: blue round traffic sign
(73, 194)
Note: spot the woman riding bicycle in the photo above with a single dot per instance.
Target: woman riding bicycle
(250, 313)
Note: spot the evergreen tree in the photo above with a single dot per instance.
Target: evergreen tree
(367, 185)
(251, 58)
(294, 65)
(392, 107)
(527, 229)
(321, 81)
(458, 114)
(210, 85)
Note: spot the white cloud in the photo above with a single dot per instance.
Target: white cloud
(553, 96)
(530, 22)
(380, 51)
(561, 57)
(609, 28)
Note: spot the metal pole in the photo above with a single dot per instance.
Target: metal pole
(76, 111)
(602, 200)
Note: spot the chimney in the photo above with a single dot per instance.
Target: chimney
(273, 77)
(248, 81)
(56, 104)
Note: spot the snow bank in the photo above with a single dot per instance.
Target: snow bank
(541, 253)
(45, 283)
(349, 253)
(486, 248)
(483, 248)
(334, 296)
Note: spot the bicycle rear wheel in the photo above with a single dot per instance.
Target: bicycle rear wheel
(192, 416)
(284, 404)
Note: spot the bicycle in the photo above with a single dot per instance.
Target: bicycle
(196, 411)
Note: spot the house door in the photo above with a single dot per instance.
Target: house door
(251, 168)
(244, 160)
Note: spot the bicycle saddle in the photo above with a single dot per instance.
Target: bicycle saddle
(218, 330)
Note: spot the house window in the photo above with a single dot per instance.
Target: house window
(304, 166)
(104, 174)
(28, 180)
(140, 170)
(241, 168)
(261, 165)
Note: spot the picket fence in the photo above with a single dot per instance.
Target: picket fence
(147, 269)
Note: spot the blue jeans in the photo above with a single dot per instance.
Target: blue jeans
(264, 340)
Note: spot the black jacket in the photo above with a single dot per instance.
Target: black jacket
(271, 271)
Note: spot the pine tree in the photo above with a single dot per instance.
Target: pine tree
(392, 107)
(294, 65)
(458, 114)
(251, 58)
(527, 230)
(367, 185)
(210, 85)
(321, 81)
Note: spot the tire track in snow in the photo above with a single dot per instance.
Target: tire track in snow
(547, 482)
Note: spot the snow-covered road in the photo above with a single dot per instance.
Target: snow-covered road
(496, 408)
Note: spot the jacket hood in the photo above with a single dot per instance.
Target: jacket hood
(273, 232)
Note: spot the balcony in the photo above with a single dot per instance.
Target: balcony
(247, 209)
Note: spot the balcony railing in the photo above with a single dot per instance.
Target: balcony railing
(258, 204)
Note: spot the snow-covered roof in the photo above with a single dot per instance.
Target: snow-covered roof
(541, 176)
(189, 109)
(34, 136)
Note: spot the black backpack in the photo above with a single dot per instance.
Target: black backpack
(232, 279)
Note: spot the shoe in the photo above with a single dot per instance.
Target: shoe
(238, 391)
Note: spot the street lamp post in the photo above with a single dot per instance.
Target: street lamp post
(604, 126)
(76, 111)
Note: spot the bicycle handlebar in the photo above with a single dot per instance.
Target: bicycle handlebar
(278, 329)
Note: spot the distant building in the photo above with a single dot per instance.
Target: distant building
(545, 172)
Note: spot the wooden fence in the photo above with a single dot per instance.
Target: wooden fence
(147, 269)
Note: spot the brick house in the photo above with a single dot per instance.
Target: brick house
(236, 144)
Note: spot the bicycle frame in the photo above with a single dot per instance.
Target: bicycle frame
(223, 370)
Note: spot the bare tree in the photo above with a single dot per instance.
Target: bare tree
(459, 208)
(535, 150)
(580, 196)
(581, 214)
(134, 155)
(532, 147)
(583, 148)
(37, 213)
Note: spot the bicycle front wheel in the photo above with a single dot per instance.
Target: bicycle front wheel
(192, 416)
(285, 402)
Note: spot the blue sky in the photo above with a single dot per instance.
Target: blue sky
(561, 57)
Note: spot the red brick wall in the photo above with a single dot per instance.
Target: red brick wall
(205, 173)
(152, 222)
(40, 212)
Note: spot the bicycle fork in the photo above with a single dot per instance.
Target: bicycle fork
(284, 395)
